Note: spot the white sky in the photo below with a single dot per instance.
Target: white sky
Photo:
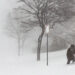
(5, 7)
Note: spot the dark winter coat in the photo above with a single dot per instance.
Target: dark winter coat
(70, 54)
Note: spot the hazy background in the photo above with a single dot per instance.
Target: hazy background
(12, 64)
(57, 39)
(5, 42)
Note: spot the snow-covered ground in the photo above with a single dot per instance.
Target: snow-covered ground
(27, 65)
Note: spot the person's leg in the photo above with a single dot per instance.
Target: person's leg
(73, 60)
(68, 62)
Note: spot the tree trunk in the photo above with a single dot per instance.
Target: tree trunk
(19, 46)
(23, 40)
(39, 45)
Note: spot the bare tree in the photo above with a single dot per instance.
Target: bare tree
(45, 12)
(15, 30)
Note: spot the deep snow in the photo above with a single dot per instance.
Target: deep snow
(27, 65)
